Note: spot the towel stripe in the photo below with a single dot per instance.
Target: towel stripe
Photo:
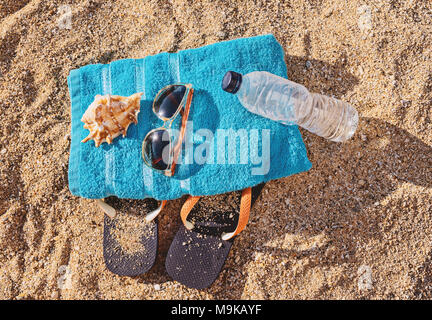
(75, 88)
(110, 154)
(106, 80)
(140, 77)
(174, 67)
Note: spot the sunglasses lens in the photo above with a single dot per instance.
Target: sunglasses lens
(169, 101)
(156, 149)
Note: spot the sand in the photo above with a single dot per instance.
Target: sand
(129, 227)
(356, 226)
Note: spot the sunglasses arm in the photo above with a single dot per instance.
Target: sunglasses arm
(177, 147)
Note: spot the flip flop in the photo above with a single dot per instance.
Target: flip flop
(200, 247)
(130, 238)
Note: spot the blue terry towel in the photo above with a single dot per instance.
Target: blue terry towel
(269, 151)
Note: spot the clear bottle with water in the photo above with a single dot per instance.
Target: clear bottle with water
(290, 103)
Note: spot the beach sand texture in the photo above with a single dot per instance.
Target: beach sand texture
(357, 225)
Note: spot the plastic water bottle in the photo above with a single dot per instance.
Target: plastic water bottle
(290, 103)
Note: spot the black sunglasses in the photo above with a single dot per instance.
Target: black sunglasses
(158, 149)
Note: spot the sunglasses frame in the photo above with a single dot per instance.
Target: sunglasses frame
(173, 150)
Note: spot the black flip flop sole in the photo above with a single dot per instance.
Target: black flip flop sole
(135, 261)
(196, 257)
(196, 261)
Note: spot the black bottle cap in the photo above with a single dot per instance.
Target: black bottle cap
(231, 81)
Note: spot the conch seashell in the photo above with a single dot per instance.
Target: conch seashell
(109, 116)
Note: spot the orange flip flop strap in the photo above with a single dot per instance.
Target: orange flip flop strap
(163, 204)
(245, 206)
(186, 209)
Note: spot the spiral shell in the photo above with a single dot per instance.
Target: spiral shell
(109, 116)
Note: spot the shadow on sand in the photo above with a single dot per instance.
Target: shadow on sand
(338, 199)
(340, 196)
